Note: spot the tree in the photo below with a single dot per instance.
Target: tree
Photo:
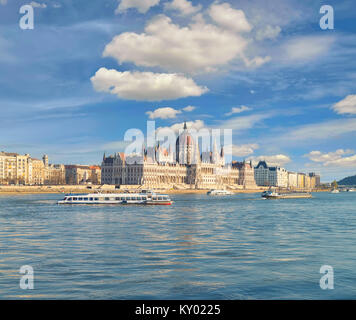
(334, 184)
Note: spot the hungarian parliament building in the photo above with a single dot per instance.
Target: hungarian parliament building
(187, 168)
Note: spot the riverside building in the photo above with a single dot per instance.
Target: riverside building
(270, 176)
(276, 176)
(186, 168)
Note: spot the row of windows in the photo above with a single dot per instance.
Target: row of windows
(114, 198)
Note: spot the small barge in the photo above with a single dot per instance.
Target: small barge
(287, 195)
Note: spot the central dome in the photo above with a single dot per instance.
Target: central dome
(184, 146)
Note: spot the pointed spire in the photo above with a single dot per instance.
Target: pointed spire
(104, 156)
(185, 125)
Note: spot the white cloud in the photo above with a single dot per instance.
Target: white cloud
(141, 5)
(333, 158)
(195, 125)
(256, 62)
(346, 106)
(318, 156)
(243, 150)
(57, 5)
(268, 32)
(163, 113)
(189, 108)
(145, 85)
(320, 131)
(183, 6)
(229, 18)
(342, 162)
(307, 47)
(35, 4)
(198, 47)
(273, 160)
(3, 2)
(238, 110)
(243, 122)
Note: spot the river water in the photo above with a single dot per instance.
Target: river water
(234, 247)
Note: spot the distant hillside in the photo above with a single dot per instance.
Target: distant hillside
(348, 181)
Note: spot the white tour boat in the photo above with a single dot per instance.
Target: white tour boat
(335, 191)
(142, 198)
(216, 192)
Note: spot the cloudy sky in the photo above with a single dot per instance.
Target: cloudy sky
(90, 70)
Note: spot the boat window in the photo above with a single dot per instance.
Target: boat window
(85, 199)
(91, 199)
(160, 198)
(107, 199)
(80, 199)
(117, 199)
(75, 199)
(96, 199)
(69, 199)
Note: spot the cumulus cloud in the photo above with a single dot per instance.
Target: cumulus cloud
(306, 48)
(273, 160)
(3, 2)
(35, 4)
(145, 85)
(242, 150)
(336, 158)
(199, 47)
(194, 125)
(141, 5)
(189, 108)
(163, 113)
(268, 32)
(343, 162)
(346, 106)
(256, 62)
(229, 18)
(238, 110)
(184, 7)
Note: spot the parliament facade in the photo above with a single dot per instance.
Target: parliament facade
(186, 168)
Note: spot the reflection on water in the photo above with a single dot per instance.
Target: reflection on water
(238, 247)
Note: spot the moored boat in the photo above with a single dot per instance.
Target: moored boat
(140, 198)
(216, 192)
(335, 191)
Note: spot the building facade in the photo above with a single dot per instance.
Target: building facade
(270, 176)
(187, 168)
(82, 174)
(15, 168)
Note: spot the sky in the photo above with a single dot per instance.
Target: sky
(91, 70)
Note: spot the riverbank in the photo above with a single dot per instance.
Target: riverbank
(18, 190)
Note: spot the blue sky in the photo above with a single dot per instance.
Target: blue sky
(90, 70)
